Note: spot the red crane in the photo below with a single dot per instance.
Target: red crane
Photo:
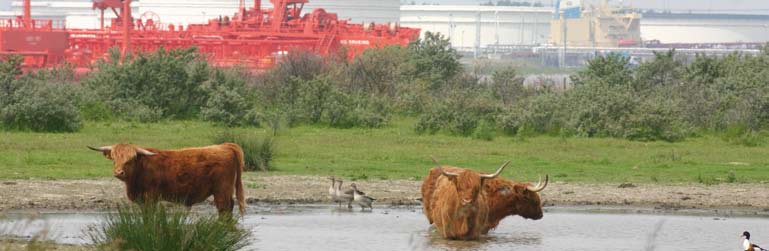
(253, 37)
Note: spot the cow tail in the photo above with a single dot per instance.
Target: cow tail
(238, 180)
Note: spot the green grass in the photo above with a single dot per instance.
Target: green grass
(396, 152)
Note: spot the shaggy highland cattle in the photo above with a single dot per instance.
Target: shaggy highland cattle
(455, 202)
(508, 198)
(187, 176)
(503, 197)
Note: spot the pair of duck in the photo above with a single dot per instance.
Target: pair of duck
(349, 195)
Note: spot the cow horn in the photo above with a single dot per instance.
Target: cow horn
(144, 152)
(101, 149)
(441, 169)
(539, 187)
(494, 175)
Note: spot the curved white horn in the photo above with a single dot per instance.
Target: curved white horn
(142, 151)
(441, 169)
(494, 175)
(540, 186)
(101, 149)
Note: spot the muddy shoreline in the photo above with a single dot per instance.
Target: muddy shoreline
(98, 194)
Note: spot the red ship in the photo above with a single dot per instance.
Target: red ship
(253, 37)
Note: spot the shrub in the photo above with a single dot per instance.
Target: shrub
(345, 111)
(458, 113)
(378, 71)
(542, 113)
(41, 107)
(599, 109)
(433, 59)
(484, 131)
(258, 153)
(655, 119)
(665, 70)
(9, 71)
(744, 136)
(155, 227)
(226, 104)
(166, 82)
(507, 86)
(313, 97)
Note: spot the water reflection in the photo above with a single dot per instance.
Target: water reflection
(430, 239)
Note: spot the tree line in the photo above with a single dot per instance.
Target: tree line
(668, 98)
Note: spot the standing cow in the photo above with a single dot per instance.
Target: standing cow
(503, 197)
(455, 201)
(187, 176)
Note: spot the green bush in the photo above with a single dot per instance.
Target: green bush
(458, 113)
(9, 71)
(433, 59)
(346, 111)
(156, 227)
(507, 86)
(744, 136)
(484, 131)
(226, 103)
(164, 82)
(378, 71)
(542, 113)
(38, 102)
(131, 110)
(258, 153)
(655, 119)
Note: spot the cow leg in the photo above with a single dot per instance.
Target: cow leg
(224, 202)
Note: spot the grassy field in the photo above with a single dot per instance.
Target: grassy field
(396, 152)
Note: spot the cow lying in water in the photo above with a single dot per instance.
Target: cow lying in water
(502, 197)
(455, 202)
(187, 176)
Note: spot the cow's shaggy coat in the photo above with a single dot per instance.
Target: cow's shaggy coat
(457, 207)
(187, 176)
(502, 197)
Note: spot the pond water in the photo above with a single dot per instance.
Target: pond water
(324, 227)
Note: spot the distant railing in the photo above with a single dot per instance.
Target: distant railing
(35, 24)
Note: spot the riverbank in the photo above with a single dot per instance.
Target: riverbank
(96, 194)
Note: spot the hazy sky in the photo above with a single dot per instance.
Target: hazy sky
(714, 5)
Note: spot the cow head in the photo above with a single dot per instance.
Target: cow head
(524, 198)
(124, 157)
(468, 183)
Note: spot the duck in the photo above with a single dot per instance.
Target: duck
(343, 196)
(361, 198)
(332, 189)
(747, 245)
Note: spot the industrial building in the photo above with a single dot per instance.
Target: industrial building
(79, 13)
(470, 26)
(473, 29)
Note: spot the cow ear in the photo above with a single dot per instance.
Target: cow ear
(107, 154)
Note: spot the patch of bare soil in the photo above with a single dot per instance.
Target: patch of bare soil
(14, 244)
(103, 193)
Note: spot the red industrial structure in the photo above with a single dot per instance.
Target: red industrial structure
(253, 37)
